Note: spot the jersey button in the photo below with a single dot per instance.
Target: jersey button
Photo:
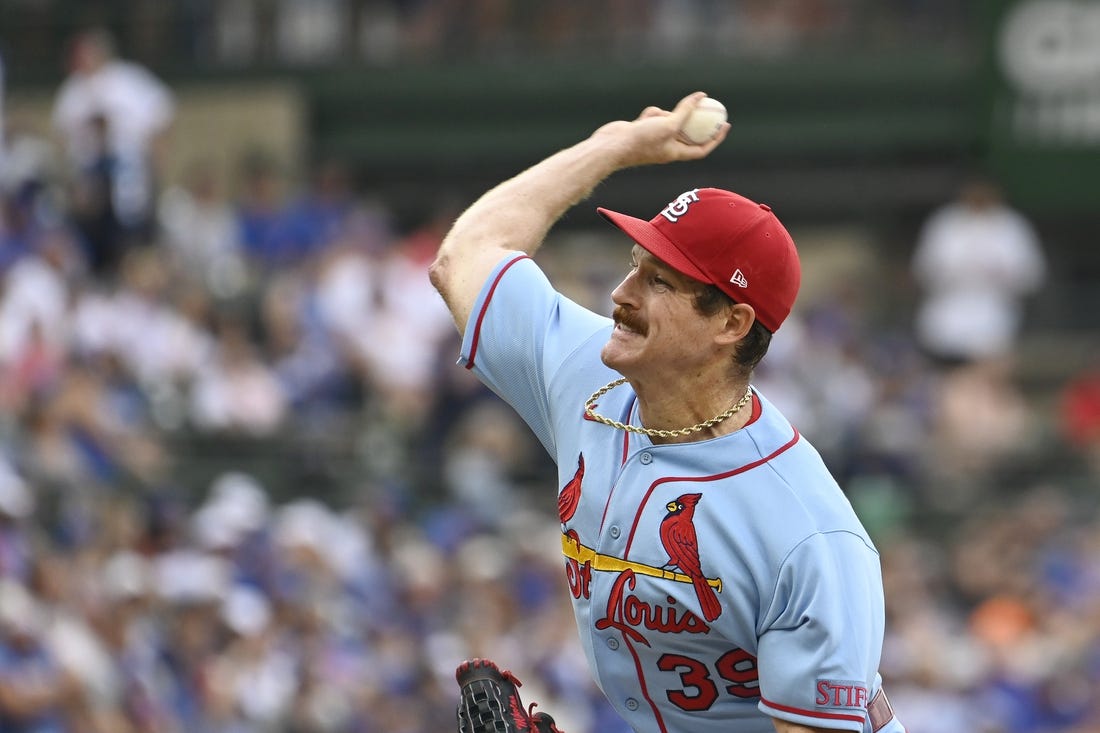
(614, 531)
(631, 704)
(613, 643)
(646, 458)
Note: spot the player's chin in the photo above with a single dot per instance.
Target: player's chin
(616, 353)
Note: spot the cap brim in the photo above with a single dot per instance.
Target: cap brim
(657, 244)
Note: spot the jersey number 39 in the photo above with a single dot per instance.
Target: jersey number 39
(698, 690)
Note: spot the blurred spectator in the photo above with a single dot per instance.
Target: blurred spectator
(35, 691)
(64, 615)
(236, 508)
(200, 229)
(325, 213)
(113, 117)
(483, 461)
(3, 95)
(27, 165)
(136, 686)
(17, 506)
(382, 307)
(88, 434)
(981, 421)
(1079, 414)
(237, 392)
(235, 31)
(347, 296)
(975, 260)
(309, 31)
(315, 375)
(26, 214)
(94, 207)
(253, 679)
(34, 309)
(233, 523)
(149, 321)
(260, 207)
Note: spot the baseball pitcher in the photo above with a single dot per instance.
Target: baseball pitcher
(720, 579)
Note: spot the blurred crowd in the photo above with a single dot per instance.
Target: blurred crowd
(145, 588)
(241, 34)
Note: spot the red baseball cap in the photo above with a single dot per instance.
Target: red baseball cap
(724, 239)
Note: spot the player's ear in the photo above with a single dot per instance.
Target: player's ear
(739, 318)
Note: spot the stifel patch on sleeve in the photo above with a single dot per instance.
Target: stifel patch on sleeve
(843, 694)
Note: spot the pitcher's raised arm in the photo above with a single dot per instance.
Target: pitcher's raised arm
(517, 214)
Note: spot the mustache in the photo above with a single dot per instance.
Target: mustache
(628, 319)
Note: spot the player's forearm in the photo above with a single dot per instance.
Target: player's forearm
(517, 214)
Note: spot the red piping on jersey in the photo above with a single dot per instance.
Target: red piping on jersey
(626, 436)
(645, 690)
(813, 713)
(606, 506)
(622, 461)
(485, 307)
(715, 477)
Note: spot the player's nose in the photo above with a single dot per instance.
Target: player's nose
(624, 293)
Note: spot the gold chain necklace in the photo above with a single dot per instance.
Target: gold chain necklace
(590, 412)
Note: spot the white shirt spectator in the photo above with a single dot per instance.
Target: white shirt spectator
(200, 226)
(108, 105)
(409, 328)
(34, 302)
(975, 260)
(154, 341)
(236, 391)
(136, 105)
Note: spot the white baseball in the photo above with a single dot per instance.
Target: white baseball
(704, 121)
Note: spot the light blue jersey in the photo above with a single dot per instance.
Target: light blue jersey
(716, 584)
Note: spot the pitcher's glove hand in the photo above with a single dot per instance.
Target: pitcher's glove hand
(489, 702)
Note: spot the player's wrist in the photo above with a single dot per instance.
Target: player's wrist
(621, 146)
(646, 141)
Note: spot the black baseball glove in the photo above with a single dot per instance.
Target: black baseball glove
(489, 702)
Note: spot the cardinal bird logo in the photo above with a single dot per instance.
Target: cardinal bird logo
(682, 546)
(570, 494)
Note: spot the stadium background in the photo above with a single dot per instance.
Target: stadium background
(321, 560)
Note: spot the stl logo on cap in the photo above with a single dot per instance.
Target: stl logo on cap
(679, 207)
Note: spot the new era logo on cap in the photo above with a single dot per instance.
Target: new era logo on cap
(707, 233)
